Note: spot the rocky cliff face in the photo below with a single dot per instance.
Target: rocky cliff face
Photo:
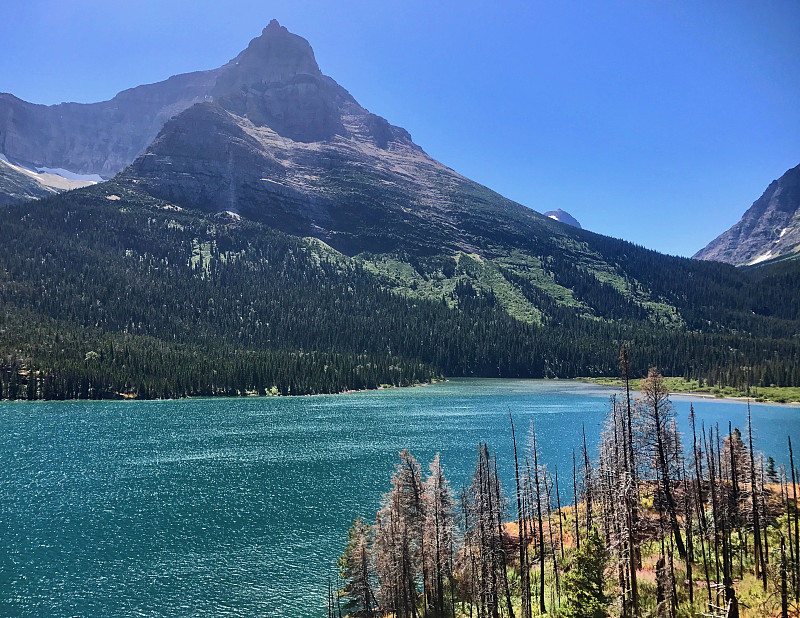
(283, 144)
(16, 186)
(97, 138)
(770, 228)
(368, 187)
(275, 82)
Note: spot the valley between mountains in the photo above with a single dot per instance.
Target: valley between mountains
(262, 233)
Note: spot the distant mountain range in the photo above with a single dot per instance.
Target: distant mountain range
(563, 216)
(273, 232)
(769, 229)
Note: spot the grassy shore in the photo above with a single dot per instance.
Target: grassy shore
(776, 394)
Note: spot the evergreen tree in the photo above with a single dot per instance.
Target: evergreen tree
(584, 583)
(354, 569)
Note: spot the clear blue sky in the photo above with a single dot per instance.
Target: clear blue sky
(657, 122)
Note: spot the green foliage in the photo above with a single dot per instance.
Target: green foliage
(780, 394)
(584, 583)
(176, 302)
(354, 568)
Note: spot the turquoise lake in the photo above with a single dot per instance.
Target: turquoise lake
(239, 507)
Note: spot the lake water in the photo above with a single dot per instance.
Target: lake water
(239, 507)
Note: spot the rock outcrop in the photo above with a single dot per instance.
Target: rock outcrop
(769, 229)
(274, 82)
(283, 144)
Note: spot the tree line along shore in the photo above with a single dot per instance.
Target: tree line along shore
(701, 387)
(655, 526)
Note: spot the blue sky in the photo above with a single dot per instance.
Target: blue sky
(657, 122)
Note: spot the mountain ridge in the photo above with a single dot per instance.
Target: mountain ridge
(770, 228)
(282, 229)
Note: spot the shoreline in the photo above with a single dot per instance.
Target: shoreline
(738, 398)
(610, 383)
(755, 400)
(128, 397)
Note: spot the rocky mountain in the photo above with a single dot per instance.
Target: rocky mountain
(563, 216)
(96, 138)
(770, 228)
(290, 147)
(18, 184)
(277, 235)
(103, 138)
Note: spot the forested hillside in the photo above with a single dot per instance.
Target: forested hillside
(108, 292)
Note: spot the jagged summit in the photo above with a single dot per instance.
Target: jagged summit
(275, 56)
(274, 82)
(273, 26)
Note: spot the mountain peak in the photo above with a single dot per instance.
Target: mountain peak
(275, 82)
(276, 55)
(563, 216)
(770, 228)
(273, 26)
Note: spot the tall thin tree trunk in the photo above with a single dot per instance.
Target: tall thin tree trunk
(501, 544)
(560, 517)
(785, 495)
(727, 555)
(549, 488)
(632, 469)
(587, 482)
(733, 504)
(796, 526)
(523, 545)
(764, 514)
(687, 507)
(542, 607)
(575, 498)
(701, 507)
(760, 566)
(671, 509)
(784, 595)
(714, 504)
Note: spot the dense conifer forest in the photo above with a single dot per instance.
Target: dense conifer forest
(106, 292)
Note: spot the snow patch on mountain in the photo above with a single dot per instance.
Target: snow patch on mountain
(55, 178)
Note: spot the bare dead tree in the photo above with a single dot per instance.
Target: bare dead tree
(587, 483)
(659, 413)
(784, 591)
(560, 517)
(537, 487)
(524, 576)
(438, 535)
(760, 565)
(785, 497)
(575, 502)
(701, 506)
(632, 469)
(796, 525)
(501, 547)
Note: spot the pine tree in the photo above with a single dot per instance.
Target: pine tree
(659, 415)
(438, 537)
(584, 583)
(354, 569)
